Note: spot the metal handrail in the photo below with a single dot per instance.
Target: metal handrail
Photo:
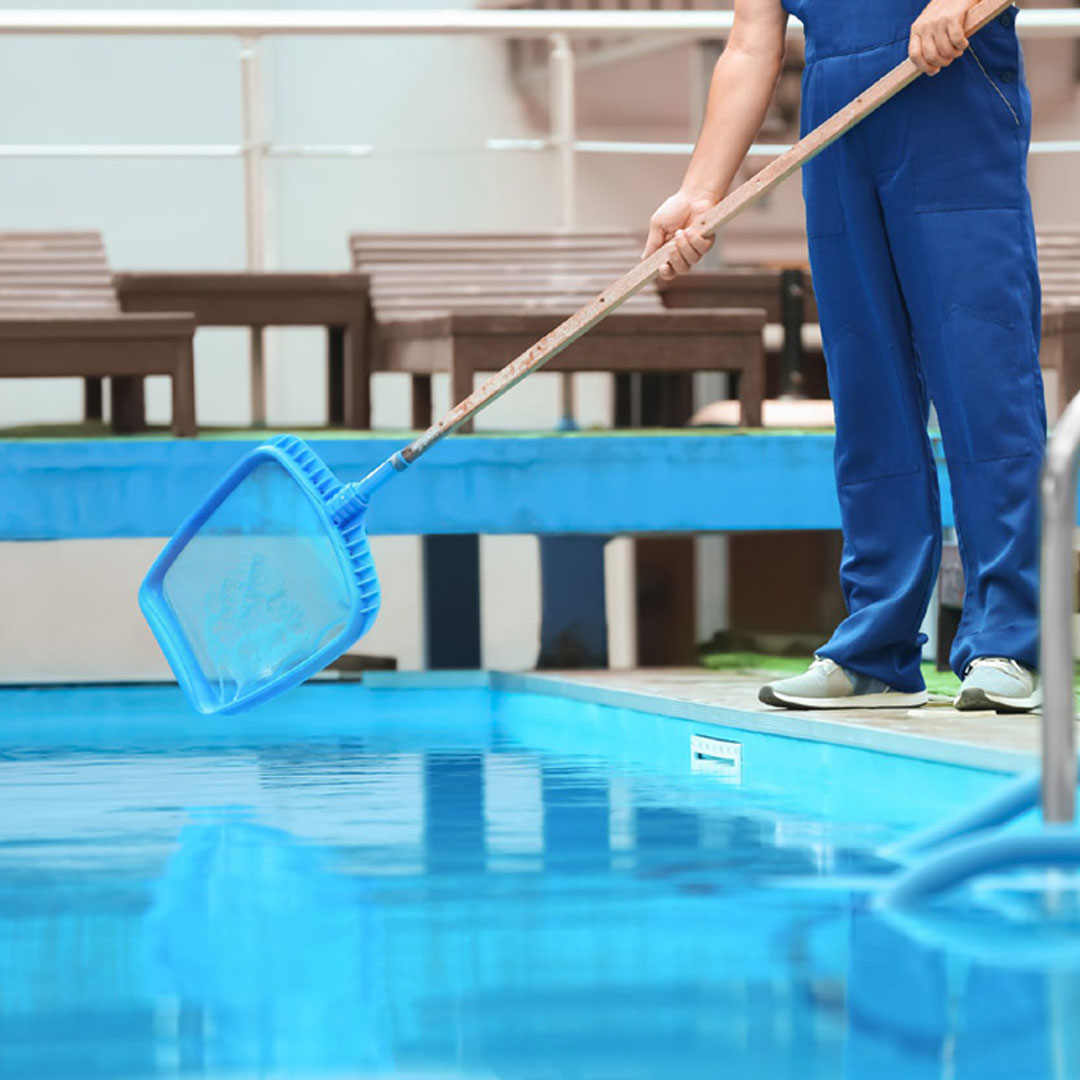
(264, 23)
(367, 150)
(1032, 21)
(1057, 588)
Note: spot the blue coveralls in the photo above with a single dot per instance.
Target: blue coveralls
(922, 250)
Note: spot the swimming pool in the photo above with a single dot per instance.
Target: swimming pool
(474, 883)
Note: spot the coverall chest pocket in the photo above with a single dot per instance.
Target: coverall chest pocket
(970, 127)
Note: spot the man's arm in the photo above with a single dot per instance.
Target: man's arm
(743, 84)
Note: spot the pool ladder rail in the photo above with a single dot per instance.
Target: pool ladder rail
(964, 847)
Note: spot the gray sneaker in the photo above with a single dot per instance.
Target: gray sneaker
(826, 685)
(995, 682)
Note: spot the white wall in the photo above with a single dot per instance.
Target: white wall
(427, 105)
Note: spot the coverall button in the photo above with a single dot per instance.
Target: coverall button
(1008, 75)
(1008, 17)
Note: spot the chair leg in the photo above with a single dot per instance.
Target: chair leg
(258, 378)
(356, 378)
(92, 398)
(183, 394)
(1069, 370)
(461, 386)
(667, 399)
(752, 390)
(627, 392)
(335, 375)
(128, 395)
(421, 402)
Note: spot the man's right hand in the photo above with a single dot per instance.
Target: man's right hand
(672, 221)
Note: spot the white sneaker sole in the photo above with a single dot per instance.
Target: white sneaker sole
(893, 699)
(976, 699)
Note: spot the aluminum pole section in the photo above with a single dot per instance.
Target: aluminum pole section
(254, 204)
(1057, 589)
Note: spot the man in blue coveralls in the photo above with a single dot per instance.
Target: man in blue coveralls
(922, 249)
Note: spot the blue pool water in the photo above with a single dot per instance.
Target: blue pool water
(465, 883)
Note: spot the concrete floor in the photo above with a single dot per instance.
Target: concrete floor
(935, 731)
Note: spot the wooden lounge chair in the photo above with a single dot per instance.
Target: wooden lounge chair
(59, 316)
(466, 304)
(793, 349)
(1059, 272)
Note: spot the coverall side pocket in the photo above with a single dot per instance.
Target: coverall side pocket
(821, 192)
(878, 413)
(970, 128)
(989, 411)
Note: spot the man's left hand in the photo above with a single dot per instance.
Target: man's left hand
(937, 35)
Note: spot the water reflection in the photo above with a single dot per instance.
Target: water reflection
(510, 896)
(270, 956)
(920, 1011)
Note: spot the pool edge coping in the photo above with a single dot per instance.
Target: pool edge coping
(849, 733)
(790, 725)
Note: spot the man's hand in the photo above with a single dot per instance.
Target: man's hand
(672, 220)
(937, 35)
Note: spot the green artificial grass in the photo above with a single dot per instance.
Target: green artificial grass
(751, 663)
(96, 429)
(745, 663)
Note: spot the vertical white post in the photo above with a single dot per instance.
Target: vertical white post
(564, 124)
(254, 204)
(563, 138)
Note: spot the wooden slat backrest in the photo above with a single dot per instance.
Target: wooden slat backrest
(420, 273)
(1059, 265)
(61, 273)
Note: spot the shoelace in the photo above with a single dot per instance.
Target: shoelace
(823, 662)
(1000, 663)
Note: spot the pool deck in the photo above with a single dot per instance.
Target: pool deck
(935, 732)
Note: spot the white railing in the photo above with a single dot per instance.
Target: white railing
(558, 27)
(514, 24)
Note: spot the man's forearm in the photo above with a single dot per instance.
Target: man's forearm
(742, 87)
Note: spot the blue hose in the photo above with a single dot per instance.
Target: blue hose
(1015, 798)
(1055, 846)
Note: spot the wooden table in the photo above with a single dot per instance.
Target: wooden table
(338, 301)
(466, 344)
